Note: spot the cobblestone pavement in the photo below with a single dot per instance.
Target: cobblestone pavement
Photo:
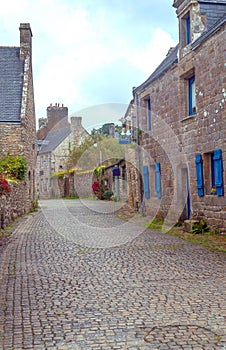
(73, 276)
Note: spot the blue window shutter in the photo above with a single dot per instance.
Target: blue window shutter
(158, 180)
(146, 182)
(218, 172)
(199, 175)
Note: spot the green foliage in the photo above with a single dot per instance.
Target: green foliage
(82, 148)
(104, 130)
(85, 156)
(99, 170)
(107, 194)
(200, 227)
(14, 167)
(156, 223)
(71, 197)
(34, 205)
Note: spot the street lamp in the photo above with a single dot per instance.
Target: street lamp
(95, 145)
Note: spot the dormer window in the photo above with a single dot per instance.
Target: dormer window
(186, 29)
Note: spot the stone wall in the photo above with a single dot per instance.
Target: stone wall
(161, 143)
(73, 184)
(83, 184)
(176, 137)
(206, 131)
(20, 138)
(13, 204)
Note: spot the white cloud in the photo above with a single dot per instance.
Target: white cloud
(76, 40)
(154, 52)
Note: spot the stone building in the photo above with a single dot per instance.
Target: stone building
(181, 112)
(17, 111)
(56, 140)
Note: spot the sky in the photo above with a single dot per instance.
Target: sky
(89, 53)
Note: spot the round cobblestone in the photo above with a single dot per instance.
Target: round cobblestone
(152, 291)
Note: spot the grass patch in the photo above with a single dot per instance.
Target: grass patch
(206, 239)
(156, 224)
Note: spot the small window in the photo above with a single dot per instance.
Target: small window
(213, 173)
(209, 176)
(191, 96)
(149, 114)
(186, 29)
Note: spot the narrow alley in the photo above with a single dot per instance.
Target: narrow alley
(74, 276)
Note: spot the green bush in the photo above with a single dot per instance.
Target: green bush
(200, 227)
(14, 167)
(107, 194)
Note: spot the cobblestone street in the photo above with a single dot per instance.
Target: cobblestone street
(74, 276)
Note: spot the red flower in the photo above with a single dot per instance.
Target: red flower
(95, 186)
(4, 185)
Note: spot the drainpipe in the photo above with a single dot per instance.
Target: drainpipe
(137, 150)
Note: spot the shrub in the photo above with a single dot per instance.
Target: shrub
(107, 194)
(14, 167)
(200, 227)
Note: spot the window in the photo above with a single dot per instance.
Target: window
(214, 173)
(210, 173)
(185, 29)
(188, 30)
(191, 96)
(149, 114)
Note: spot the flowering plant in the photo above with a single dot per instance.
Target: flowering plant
(101, 190)
(95, 186)
(213, 190)
(4, 185)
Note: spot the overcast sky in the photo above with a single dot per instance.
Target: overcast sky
(90, 52)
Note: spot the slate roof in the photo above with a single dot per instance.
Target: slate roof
(215, 13)
(209, 32)
(170, 59)
(54, 139)
(214, 10)
(11, 84)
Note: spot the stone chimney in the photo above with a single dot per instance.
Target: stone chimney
(76, 122)
(25, 40)
(57, 116)
(76, 126)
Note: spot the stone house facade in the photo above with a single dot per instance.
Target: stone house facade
(180, 110)
(17, 113)
(56, 139)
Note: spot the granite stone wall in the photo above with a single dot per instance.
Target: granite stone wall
(176, 137)
(13, 204)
